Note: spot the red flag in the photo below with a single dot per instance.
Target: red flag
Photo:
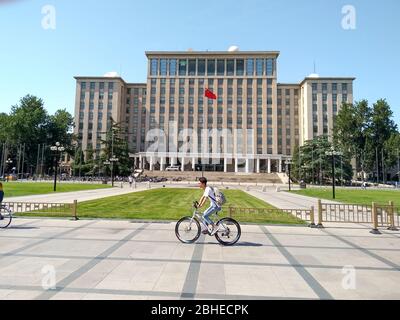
(210, 95)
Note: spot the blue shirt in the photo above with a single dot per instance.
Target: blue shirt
(1, 195)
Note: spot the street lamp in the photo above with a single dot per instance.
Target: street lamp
(289, 164)
(333, 153)
(57, 148)
(112, 160)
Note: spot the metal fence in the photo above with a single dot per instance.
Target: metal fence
(345, 213)
(387, 216)
(272, 215)
(379, 215)
(32, 209)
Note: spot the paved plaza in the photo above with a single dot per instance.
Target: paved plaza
(100, 259)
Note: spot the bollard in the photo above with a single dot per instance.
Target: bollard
(374, 219)
(121, 185)
(320, 225)
(264, 189)
(75, 209)
(392, 226)
(148, 185)
(312, 218)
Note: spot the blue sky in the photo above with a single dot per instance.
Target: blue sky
(95, 37)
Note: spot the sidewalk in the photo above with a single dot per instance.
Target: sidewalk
(86, 195)
(286, 200)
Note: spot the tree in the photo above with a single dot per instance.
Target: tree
(350, 132)
(116, 146)
(28, 128)
(311, 164)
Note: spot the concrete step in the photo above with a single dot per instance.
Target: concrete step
(217, 176)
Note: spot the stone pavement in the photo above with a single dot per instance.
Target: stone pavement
(86, 195)
(100, 259)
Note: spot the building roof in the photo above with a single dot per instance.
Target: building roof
(110, 78)
(212, 53)
(327, 79)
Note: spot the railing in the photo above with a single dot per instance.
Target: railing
(386, 216)
(272, 215)
(376, 214)
(32, 209)
(345, 213)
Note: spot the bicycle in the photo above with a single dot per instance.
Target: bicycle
(188, 229)
(5, 216)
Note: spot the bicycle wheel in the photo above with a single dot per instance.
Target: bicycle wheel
(187, 230)
(229, 231)
(5, 217)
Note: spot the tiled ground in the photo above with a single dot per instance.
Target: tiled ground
(124, 260)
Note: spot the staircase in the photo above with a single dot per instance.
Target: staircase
(217, 176)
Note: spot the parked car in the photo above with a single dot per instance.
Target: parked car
(173, 168)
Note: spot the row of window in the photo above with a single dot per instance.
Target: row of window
(325, 97)
(220, 82)
(324, 86)
(92, 85)
(212, 67)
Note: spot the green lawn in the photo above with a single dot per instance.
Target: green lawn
(173, 204)
(16, 189)
(355, 196)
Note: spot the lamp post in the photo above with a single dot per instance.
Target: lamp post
(106, 163)
(57, 148)
(289, 164)
(333, 153)
(112, 160)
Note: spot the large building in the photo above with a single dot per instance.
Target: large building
(253, 126)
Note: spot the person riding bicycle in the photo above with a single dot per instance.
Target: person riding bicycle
(214, 207)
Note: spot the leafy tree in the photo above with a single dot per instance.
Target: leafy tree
(311, 164)
(115, 145)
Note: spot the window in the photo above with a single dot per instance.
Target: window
(172, 67)
(182, 67)
(154, 67)
(344, 86)
(259, 67)
(192, 67)
(220, 67)
(334, 86)
(315, 86)
(324, 87)
(83, 85)
(270, 67)
(239, 67)
(163, 67)
(230, 67)
(250, 67)
(201, 67)
(92, 85)
(211, 67)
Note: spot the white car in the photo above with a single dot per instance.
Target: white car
(173, 168)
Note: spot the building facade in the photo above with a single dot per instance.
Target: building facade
(253, 126)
